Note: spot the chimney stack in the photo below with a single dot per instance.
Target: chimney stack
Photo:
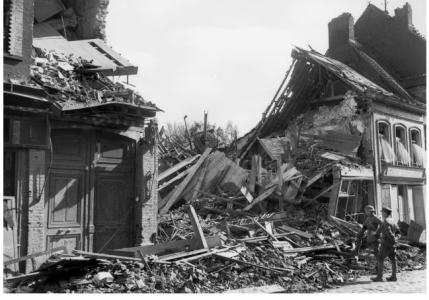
(404, 16)
(341, 30)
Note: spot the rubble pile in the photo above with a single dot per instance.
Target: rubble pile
(71, 80)
(300, 250)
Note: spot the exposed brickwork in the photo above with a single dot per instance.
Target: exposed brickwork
(147, 206)
(19, 69)
(36, 202)
(91, 17)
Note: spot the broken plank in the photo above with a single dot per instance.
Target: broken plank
(246, 194)
(261, 197)
(180, 176)
(168, 247)
(179, 189)
(177, 167)
(47, 252)
(199, 182)
(308, 202)
(146, 265)
(310, 249)
(267, 231)
(297, 231)
(182, 254)
(273, 269)
(198, 231)
(104, 256)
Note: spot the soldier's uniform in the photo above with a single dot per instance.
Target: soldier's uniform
(370, 225)
(386, 232)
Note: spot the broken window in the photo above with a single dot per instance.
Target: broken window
(385, 196)
(386, 152)
(416, 149)
(353, 197)
(402, 155)
(403, 207)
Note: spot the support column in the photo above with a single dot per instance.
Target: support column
(36, 204)
(147, 185)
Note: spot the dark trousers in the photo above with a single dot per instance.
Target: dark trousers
(386, 251)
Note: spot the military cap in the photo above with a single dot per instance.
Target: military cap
(369, 208)
(386, 210)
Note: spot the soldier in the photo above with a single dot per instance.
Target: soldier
(387, 247)
(370, 225)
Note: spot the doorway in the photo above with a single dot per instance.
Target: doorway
(91, 187)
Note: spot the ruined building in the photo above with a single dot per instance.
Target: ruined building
(80, 150)
(356, 116)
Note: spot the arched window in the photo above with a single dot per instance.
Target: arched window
(402, 155)
(385, 143)
(383, 129)
(416, 149)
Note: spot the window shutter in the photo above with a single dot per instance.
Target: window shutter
(16, 27)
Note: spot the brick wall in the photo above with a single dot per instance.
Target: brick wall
(36, 202)
(147, 183)
(18, 67)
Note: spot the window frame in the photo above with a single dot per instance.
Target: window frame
(389, 138)
(410, 141)
(405, 142)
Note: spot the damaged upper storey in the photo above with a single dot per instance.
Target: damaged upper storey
(313, 80)
(68, 87)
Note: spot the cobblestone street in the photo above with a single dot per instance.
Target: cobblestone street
(408, 282)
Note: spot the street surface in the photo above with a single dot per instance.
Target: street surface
(408, 282)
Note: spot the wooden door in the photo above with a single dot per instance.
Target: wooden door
(67, 190)
(114, 190)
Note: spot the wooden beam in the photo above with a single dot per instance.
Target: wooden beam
(327, 99)
(172, 198)
(261, 197)
(180, 176)
(198, 231)
(297, 231)
(309, 249)
(307, 203)
(273, 269)
(47, 252)
(104, 256)
(177, 167)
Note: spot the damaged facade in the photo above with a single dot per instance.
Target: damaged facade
(80, 150)
(356, 115)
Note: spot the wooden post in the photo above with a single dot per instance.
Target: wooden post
(198, 231)
(280, 183)
(205, 129)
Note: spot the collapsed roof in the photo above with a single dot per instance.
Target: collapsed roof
(315, 78)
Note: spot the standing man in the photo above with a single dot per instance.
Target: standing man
(387, 230)
(370, 226)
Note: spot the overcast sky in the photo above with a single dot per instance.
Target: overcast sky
(223, 56)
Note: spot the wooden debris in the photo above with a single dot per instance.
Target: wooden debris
(178, 191)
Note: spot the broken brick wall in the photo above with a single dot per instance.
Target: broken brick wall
(349, 117)
(16, 66)
(147, 187)
(91, 18)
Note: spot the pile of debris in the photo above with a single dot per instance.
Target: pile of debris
(301, 251)
(72, 81)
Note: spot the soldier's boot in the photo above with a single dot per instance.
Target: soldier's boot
(393, 277)
(379, 276)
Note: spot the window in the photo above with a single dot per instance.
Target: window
(416, 149)
(386, 152)
(353, 197)
(403, 206)
(402, 155)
